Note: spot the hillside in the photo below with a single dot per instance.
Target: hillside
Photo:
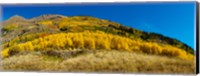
(78, 40)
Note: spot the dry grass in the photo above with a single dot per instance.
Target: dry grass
(101, 61)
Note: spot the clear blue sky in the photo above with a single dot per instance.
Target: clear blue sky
(175, 20)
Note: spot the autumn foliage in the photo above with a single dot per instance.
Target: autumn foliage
(96, 40)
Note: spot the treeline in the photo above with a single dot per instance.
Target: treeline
(77, 21)
(23, 39)
(95, 40)
(152, 37)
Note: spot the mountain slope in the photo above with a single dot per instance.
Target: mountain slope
(81, 23)
(61, 38)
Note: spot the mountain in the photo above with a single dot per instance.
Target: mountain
(47, 17)
(14, 19)
(99, 24)
(63, 39)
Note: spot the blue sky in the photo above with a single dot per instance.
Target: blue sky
(172, 19)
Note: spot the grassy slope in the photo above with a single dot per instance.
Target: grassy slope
(101, 61)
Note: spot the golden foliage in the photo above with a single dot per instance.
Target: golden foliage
(24, 38)
(46, 22)
(98, 40)
(83, 21)
(10, 27)
(4, 53)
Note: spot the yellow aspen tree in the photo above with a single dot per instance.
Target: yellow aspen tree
(106, 44)
(30, 46)
(5, 53)
(69, 42)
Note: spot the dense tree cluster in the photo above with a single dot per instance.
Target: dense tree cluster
(24, 38)
(95, 40)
